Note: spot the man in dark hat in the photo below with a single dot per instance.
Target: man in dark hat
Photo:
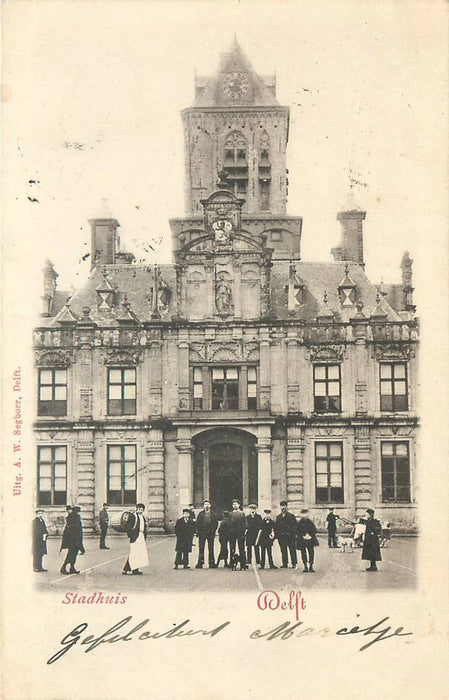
(253, 525)
(39, 535)
(371, 545)
(206, 527)
(331, 520)
(237, 528)
(184, 531)
(265, 538)
(306, 540)
(104, 522)
(286, 533)
(72, 540)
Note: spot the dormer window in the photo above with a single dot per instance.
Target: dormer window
(296, 290)
(347, 290)
(105, 295)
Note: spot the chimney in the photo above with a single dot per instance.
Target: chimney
(105, 241)
(49, 288)
(351, 247)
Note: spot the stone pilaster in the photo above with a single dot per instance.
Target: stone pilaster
(155, 398)
(292, 372)
(85, 468)
(156, 479)
(183, 371)
(237, 268)
(295, 468)
(85, 383)
(264, 447)
(210, 289)
(360, 329)
(185, 471)
(362, 468)
(265, 380)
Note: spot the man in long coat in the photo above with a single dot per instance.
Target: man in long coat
(39, 534)
(184, 531)
(331, 520)
(237, 528)
(206, 527)
(265, 538)
(306, 540)
(104, 523)
(253, 525)
(72, 540)
(371, 546)
(137, 533)
(286, 533)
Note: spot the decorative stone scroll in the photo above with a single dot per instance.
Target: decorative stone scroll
(325, 353)
(53, 358)
(224, 352)
(122, 357)
(393, 351)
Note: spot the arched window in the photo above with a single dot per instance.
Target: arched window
(264, 171)
(236, 162)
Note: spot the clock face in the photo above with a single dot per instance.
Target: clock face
(235, 85)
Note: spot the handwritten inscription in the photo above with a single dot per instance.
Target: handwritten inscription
(108, 637)
(285, 631)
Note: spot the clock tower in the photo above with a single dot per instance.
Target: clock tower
(236, 125)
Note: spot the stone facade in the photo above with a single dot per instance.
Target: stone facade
(238, 370)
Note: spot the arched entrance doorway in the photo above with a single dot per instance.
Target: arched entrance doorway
(224, 467)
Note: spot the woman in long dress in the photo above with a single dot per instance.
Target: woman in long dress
(72, 540)
(137, 533)
(371, 547)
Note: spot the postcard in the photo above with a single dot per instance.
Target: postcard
(225, 342)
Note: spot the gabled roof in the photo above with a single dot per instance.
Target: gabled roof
(325, 277)
(133, 286)
(261, 92)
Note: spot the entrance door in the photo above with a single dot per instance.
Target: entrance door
(225, 475)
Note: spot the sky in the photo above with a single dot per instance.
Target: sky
(93, 93)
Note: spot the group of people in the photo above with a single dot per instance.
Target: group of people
(240, 537)
(72, 540)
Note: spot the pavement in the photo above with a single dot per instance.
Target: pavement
(101, 570)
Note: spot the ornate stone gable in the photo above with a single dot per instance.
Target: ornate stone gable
(393, 351)
(53, 358)
(326, 353)
(224, 351)
(122, 357)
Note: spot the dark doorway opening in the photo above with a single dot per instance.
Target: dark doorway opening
(225, 475)
(225, 467)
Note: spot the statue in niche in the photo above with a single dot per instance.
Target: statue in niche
(223, 296)
(164, 293)
(160, 293)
